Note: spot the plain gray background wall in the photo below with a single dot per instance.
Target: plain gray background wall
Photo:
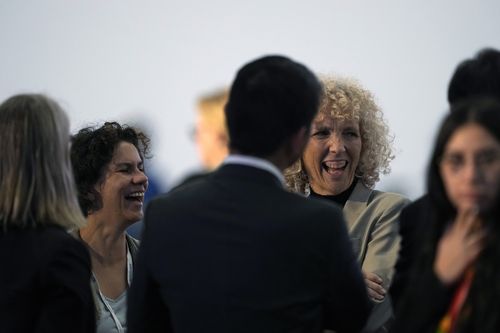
(148, 60)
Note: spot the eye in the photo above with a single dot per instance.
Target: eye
(321, 133)
(351, 134)
(454, 161)
(487, 157)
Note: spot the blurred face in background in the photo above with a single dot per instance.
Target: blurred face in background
(211, 140)
(332, 154)
(470, 168)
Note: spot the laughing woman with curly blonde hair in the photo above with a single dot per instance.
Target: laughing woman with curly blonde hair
(349, 148)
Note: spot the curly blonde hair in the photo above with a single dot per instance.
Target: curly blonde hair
(345, 98)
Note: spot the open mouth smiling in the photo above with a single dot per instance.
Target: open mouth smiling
(333, 167)
(136, 196)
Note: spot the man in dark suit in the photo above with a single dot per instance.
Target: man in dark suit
(236, 252)
(476, 77)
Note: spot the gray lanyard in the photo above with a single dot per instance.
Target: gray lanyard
(105, 301)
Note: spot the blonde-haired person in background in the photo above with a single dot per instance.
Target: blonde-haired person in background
(349, 148)
(44, 285)
(210, 132)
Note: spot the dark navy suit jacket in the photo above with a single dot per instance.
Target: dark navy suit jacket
(236, 252)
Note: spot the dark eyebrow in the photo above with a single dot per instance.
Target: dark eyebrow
(489, 150)
(128, 164)
(321, 127)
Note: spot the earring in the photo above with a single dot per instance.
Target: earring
(307, 189)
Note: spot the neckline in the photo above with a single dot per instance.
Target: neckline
(340, 198)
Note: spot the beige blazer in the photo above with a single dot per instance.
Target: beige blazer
(372, 221)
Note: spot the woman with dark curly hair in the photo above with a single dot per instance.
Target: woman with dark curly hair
(348, 149)
(454, 283)
(108, 164)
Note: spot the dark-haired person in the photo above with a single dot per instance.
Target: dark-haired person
(456, 288)
(108, 164)
(250, 256)
(475, 77)
(44, 279)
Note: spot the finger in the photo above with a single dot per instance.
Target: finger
(375, 287)
(476, 239)
(373, 277)
(472, 254)
(375, 295)
(467, 218)
(475, 236)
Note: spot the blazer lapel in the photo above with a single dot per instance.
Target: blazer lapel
(356, 203)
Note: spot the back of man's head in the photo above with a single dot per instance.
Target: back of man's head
(476, 77)
(270, 100)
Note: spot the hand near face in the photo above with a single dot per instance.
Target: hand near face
(374, 286)
(459, 247)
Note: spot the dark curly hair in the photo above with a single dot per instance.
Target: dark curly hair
(92, 149)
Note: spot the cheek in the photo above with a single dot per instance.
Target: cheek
(494, 176)
(355, 148)
(493, 182)
(308, 159)
(450, 187)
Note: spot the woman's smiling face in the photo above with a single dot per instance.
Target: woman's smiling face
(124, 185)
(332, 154)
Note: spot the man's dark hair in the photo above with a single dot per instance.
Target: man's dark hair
(476, 77)
(271, 98)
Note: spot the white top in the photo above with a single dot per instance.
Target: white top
(113, 312)
(106, 323)
(256, 162)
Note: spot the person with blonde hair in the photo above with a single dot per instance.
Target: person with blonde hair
(44, 285)
(210, 134)
(211, 130)
(349, 148)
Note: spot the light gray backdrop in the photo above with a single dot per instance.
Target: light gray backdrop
(148, 60)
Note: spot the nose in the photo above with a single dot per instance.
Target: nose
(336, 144)
(140, 178)
(472, 172)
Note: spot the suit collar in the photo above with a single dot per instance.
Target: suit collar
(255, 162)
(247, 174)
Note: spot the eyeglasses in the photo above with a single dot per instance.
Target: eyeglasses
(456, 161)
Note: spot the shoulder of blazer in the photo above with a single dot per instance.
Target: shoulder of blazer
(363, 197)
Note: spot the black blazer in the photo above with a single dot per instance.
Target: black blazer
(235, 252)
(44, 282)
(414, 224)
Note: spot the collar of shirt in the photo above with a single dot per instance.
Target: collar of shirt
(256, 162)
